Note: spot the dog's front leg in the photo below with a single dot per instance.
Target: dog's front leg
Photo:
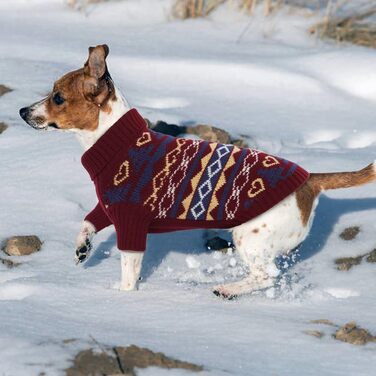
(131, 263)
(83, 241)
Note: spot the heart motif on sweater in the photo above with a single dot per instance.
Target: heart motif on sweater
(270, 161)
(257, 186)
(144, 139)
(122, 174)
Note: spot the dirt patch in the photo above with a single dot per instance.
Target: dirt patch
(22, 245)
(123, 361)
(3, 127)
(350, 233)
(371, 256)
(314, 333)
(346, 263)
(4, 89)
(9, 263)
(90, 362)
(353, 334)
(323, 322)
(350, 332)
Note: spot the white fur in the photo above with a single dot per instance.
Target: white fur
(131, 263)
(260, 240)
(86, 233)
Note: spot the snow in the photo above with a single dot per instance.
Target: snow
(289, 93)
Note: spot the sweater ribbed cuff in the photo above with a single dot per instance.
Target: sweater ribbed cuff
(132, 226)
(98, 218)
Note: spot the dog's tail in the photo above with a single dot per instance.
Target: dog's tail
(335, 180)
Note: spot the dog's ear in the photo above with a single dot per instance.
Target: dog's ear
(94, 71)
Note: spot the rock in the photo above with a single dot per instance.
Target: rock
(3, 127)
(351, 333)
(4, 89)
(134, 356)
(350, 233)
(210, 133)
(371, 256)
(323, 321)
(314, 333)
(346, 263)
(122, 361)
(219, 244)
(22, 245)
(240, 143)
(90, 362)
(9, 263)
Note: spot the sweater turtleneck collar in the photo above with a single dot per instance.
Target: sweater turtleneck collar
(120, 136)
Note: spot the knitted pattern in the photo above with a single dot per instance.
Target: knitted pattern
(149, 182)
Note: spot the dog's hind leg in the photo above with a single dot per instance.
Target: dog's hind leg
(260, 240)
(262, 274)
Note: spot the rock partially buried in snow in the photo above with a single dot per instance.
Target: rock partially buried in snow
(323, 322)
(22, 245)
(314, 333)
(372, 256)
(134, 356)
(4, 89)
(9, 263)
(210, 133)
(123, 361)
(353, 334)
(346, 263)
(3, 127)
(350, 233)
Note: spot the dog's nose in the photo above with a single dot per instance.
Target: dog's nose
(24, 112)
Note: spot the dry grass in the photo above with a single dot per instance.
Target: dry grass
(201, 8)
(356, 28)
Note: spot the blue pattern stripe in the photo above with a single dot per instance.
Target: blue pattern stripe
(147, 174)
(201, 199)
(229, 183)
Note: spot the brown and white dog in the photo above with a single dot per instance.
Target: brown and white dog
(87, 102)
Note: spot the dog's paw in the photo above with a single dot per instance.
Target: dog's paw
(83, 252)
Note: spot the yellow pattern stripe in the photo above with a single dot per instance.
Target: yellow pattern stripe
(220, 183)
(195, 180)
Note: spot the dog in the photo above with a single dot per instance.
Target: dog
(87, 102)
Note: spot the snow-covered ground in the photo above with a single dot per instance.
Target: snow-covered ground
(290, 94)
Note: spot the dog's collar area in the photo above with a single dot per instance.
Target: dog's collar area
(121, 135)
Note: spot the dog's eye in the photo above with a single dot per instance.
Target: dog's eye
(58, 99)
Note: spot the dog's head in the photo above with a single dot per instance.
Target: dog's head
(76, 98)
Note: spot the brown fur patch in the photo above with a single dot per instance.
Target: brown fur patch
(255, 230)
(337, 180)
(305, 196)
(77, 111)
(316, 183)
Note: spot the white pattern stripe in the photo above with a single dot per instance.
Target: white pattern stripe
(168, 199)
(234, 198)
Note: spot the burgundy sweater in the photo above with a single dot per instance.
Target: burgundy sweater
(149, 182)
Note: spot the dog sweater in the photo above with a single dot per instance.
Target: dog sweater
(149, 182)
